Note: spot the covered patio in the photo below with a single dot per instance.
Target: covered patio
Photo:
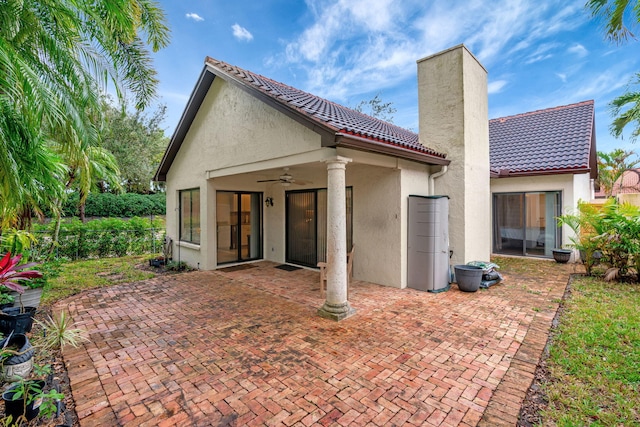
(243, 346)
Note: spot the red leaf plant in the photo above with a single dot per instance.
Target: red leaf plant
(10, 274)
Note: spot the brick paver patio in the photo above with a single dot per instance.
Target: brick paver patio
(246, 348)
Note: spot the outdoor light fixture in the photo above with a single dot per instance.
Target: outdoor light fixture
(268, 201)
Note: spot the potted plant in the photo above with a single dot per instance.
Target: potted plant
(6, 298)
(26, 399)
(586, 226)
(165, 258)
(17, 319)
(562, 255)
(16, 357)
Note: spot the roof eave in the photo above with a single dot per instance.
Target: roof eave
(372, 146)
(188, 115)
(512, 174)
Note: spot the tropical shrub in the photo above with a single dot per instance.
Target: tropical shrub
(613, 230)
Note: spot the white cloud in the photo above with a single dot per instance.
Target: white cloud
(541, 53)
(241, 33)
(364, 45)
(579, 50)
(562, 76)
(195, 17)
(496, 86)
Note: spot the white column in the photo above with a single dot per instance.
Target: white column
(336, 306)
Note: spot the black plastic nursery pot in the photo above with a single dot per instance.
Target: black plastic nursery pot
(16, 407)
(12, 320)
(468, 277)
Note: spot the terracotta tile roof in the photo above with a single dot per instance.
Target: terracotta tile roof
(338, 118)
(553, 140)
(629, 182)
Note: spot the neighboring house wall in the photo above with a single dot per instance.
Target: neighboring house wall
(573, 188)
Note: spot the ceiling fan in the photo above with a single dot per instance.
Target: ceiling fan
(285, 179)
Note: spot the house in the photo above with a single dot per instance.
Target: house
(542, 163)
(257, 170)
(626, 188)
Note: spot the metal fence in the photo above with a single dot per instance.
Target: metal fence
(88, 244)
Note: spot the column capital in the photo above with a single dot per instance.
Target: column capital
(337, 161)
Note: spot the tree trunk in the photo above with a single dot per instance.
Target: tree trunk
(81, 211)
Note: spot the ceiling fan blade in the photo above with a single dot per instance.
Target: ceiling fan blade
(268, 180)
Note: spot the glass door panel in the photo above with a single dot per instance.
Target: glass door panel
(301, 228)
(525, 223)
(239, 226)
(508, 213)
(307, 225)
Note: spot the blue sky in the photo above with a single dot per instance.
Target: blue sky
(538, 54)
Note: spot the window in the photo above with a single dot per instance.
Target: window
(525, 223)
(190, 216)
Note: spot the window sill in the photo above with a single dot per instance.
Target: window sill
(189, 245)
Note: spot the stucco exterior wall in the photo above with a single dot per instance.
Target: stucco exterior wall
(452, 95)
(415, 181)
(377, 224)
(573, 188)
(631, 198)
(231, 128)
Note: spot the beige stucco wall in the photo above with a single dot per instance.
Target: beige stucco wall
(231, 128)
(573, 188)
(631, 198)
(452, 95)
(415, 181)
(377, 224)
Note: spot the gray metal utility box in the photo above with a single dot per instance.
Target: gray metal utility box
(428, 243)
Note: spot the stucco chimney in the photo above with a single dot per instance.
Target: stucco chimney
(453, 107)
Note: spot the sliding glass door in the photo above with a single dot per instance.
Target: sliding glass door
(239, 226)
(525, 223)
(307, 226)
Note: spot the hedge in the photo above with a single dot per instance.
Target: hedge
(117, 205)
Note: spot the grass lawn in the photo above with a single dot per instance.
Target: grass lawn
(594, 360)
(77, 276)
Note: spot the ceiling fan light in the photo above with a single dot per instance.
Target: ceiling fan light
(285, 183)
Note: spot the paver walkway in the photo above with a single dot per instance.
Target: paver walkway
(246, 348)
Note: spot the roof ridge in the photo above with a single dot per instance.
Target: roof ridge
(210, 60)
(544, 110)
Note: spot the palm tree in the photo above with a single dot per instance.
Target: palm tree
(611, 167)
(617, 16)
(84, 169)
(626, 110)
(56, 56)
